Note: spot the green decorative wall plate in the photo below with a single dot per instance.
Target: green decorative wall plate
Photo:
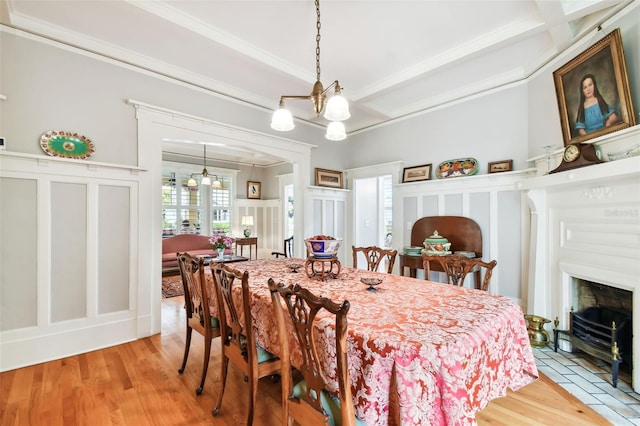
(66, 144)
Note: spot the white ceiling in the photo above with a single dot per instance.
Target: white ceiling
(393, 58)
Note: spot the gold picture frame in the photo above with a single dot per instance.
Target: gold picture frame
(500, 166)
(254, 190)
(417, 173)
(330, 178)
(598, 73)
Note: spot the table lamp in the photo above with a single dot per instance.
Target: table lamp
(247, 221)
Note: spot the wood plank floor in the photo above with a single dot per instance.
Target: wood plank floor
(138, 384)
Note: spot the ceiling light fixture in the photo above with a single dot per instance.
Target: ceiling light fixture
(192, 182)
(205, 175)
(337, 108)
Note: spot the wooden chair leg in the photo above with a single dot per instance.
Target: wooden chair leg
(252, 397)
(224, 363)
(205, 364)
(187, 345)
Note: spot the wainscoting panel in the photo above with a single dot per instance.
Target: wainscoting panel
(18, 253)
(114, 238)
(68, 280)
(328, 215)
(491, 200)
(70, 277)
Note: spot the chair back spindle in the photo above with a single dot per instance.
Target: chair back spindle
(456, 267)
(375, 256)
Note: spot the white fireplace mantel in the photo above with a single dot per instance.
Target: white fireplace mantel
(585, 223)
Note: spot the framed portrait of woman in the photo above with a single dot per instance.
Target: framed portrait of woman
(593, 92)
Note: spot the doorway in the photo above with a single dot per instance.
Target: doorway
(373, 213)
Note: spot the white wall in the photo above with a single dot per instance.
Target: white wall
(488, 128)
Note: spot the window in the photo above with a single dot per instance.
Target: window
(195, 210)
(221, 206)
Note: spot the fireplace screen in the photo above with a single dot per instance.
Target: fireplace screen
(601, 332)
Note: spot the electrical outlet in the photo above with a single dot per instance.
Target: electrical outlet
(409, 226)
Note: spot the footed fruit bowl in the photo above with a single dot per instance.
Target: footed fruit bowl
(323, 246)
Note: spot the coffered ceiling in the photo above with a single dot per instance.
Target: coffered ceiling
(393, 58)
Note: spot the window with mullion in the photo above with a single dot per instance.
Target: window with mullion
(221, 206)
(181, 204)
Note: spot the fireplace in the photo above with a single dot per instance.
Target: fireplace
(584, 230)
(600, 325)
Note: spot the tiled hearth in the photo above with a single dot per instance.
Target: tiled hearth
(589, 380)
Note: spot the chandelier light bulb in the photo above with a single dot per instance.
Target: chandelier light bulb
(282, 120)
(337, 108)
(192, 182)
(336, 131)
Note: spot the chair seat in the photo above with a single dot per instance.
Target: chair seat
(264, 355)
(330, 404)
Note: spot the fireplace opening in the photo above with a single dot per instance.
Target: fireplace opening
(601, 326)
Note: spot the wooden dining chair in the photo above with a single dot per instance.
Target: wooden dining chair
(238, 341)
(287, 250)
(196, 302)
(308, 402)
(375, 256)
(456, 267)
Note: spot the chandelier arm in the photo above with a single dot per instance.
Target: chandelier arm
(294, 97)
(332, 85)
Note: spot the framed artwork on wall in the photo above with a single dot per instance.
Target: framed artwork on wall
(330, 178)
(500, 166)
(254, 190)
(417, 173)
(593, 92)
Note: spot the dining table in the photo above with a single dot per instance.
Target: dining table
(419, 352)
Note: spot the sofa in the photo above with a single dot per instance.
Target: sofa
(193, 244)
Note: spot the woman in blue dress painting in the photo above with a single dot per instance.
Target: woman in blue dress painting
(593, 112)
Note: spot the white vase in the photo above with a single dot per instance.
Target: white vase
(220, 253)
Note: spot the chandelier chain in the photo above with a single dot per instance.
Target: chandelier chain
(318, 40)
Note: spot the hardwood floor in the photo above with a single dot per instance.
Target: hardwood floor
(138, 384)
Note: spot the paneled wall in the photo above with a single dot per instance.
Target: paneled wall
(492, 200)
(266, 218)
(69, 257)
(327, 215)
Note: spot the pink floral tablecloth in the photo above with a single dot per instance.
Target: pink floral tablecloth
(420, 352)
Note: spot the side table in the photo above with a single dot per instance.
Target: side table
(247, 241)
(322, 268)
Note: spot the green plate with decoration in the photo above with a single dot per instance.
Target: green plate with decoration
(66, 144)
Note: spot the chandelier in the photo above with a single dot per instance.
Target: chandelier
(206, 180)
(337, 107)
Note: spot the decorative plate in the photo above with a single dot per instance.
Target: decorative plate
(66, 144)
(455, 168)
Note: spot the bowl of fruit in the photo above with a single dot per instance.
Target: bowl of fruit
(323, 246)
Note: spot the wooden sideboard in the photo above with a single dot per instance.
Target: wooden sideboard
(463, 233)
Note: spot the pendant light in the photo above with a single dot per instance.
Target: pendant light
(337, 108)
